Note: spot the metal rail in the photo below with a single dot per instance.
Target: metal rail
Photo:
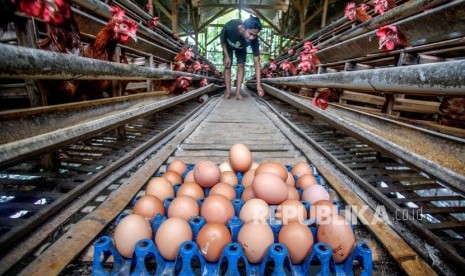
(21, 62)
(439, 155)
(444, 78)
(99, 119)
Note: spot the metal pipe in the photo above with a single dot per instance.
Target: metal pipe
(99, 118)
(436, 154)
(444, 78)
(22, 62)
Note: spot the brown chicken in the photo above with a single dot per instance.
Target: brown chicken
(358, 14)
(323, 97)
(118, 30)
(452, 112)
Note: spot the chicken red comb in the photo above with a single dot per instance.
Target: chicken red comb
(132, 25)
(117, 13)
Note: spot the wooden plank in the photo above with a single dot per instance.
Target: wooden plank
(216, 153)
(427, 199)
(252, 147)
(445, 225)
(219, 160)
(362, 97)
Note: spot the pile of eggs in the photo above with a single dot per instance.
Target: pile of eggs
(270, 193)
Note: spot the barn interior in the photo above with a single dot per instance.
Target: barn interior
(98, 99)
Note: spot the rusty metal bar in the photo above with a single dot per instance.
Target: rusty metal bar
(66, 130)
(439, 155)
(21, 62)
(444, 78)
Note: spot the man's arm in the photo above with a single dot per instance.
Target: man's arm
(256, 62)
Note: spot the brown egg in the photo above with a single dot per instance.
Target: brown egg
(184, 207)
(240, 158)
(148, 206)
(217, 208)
(229, 177)
(322, 211)
(173, 177)
(291, 210)
(269, 187)
(206, 173)
(292, 193)
(256, 210)
(171, 234)
(272, 167)
(247, 194)
(247, 178)
(255, 240)
(223, 189)
(159, 187)
(306, 181)
(225, 167)
(338, 234)
(298, 239)
(212, 239)
(129, 231)
(315, 193)
(191, 189)
(189, 177)
(177, 166)
(290, 181)
(301, 168)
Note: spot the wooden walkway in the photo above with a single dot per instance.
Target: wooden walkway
(231, 122)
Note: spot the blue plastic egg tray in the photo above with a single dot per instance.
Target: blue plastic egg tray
(148, 261)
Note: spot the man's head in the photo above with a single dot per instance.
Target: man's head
(252, 27)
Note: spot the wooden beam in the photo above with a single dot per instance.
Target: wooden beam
(162, 8)
(242, 6)
(325, 13)
(213, 39)
(297, 5)
(218, 14)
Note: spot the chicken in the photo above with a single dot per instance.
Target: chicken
(390, 38)
(358, 14)
(195, 67)
(181, 58)
(153, 23)
(178, 86)
(288, 69)
(381, 6)
(62, 37)
(200, 83)
(118, 30)
(324, 96)
(452, 112)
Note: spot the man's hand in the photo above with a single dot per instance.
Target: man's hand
(227, 62)
(260, 91)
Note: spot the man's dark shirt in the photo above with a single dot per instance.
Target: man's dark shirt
(233, 40)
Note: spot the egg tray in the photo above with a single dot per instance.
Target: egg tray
(233, 261)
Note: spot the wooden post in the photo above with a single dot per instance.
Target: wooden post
(151, 65)
(325, 12)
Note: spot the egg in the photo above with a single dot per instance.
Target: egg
(322, 211)
(170, 235)
(240, 158)
(338, 234)
(290, 181)
(247, 194)
(173, 177)
(223, 189)
(255, 240)
(184, 207)
(159, 187)
(298, 240)
(291, 210)
(301, 168)
(212, 239)
(229, 177)
(247, 178)
(256, 210)
(226, 167)
(217, 208)
(269, 187)
(206, 173)
(315, 193)
(272, 167)
(189, 177)
(177, 166)
(191, 189)
(292, 193)
(306, 181)
(129, 231)
(148, 206)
